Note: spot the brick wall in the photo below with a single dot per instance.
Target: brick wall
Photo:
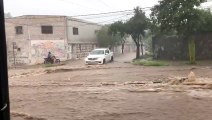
(81, 50)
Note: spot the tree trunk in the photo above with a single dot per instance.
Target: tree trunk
(138, 51)
(122, 48)
(192, 52)
(142, 50)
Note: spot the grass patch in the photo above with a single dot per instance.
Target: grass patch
(149, 62)
(146, 57)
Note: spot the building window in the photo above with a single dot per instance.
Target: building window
(19, 30)
(47, 29)
(75, 31)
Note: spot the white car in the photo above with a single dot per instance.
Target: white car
(99, 56)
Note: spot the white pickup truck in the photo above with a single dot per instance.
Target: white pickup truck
(99, 56)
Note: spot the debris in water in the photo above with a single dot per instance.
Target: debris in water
(177, 80)
(208, 86)
(195, 83)
(135, 83)
(25, 116)
(108, 84)
(191, 77)
(145, 90)
(157, 81)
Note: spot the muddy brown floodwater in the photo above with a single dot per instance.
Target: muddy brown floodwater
(115, 91)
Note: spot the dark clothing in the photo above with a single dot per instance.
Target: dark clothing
(49, 55)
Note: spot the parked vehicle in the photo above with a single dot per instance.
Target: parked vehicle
(51, 60)
(99, 56)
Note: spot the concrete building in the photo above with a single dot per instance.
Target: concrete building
(31, 37)
(81, 37)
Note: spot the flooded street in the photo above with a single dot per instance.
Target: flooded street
(115, 91)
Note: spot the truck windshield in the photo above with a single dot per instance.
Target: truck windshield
(97, 52)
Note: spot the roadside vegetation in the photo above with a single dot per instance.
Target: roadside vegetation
(149, 62)
(181, 18)
(177, 17)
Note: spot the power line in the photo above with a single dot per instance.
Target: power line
(144, 9)
(101, 13)
(84, 15)
(104, 21)
(114, 19)
(87, 23)
(71, 19)
(84, 23)
(82, 6)
(104, 3)
(97, 17)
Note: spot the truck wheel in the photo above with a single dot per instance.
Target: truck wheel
(111, 60)
(104, 61)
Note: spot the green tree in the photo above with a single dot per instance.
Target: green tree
(206, 26)
(181, 16)
(118, 28)
(136, 27)
(105, 39)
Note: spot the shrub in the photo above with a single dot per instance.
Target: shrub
(149, 63)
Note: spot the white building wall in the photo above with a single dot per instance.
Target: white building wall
(86, 40)
(33, 46)
(87, 31)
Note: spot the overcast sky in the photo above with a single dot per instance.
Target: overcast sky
(76, 7)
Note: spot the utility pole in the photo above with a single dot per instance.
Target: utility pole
(14, 47)
(29, 40)
(4, 88)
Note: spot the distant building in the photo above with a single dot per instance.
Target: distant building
(7, 15)
(31, 37)
(81, 37)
